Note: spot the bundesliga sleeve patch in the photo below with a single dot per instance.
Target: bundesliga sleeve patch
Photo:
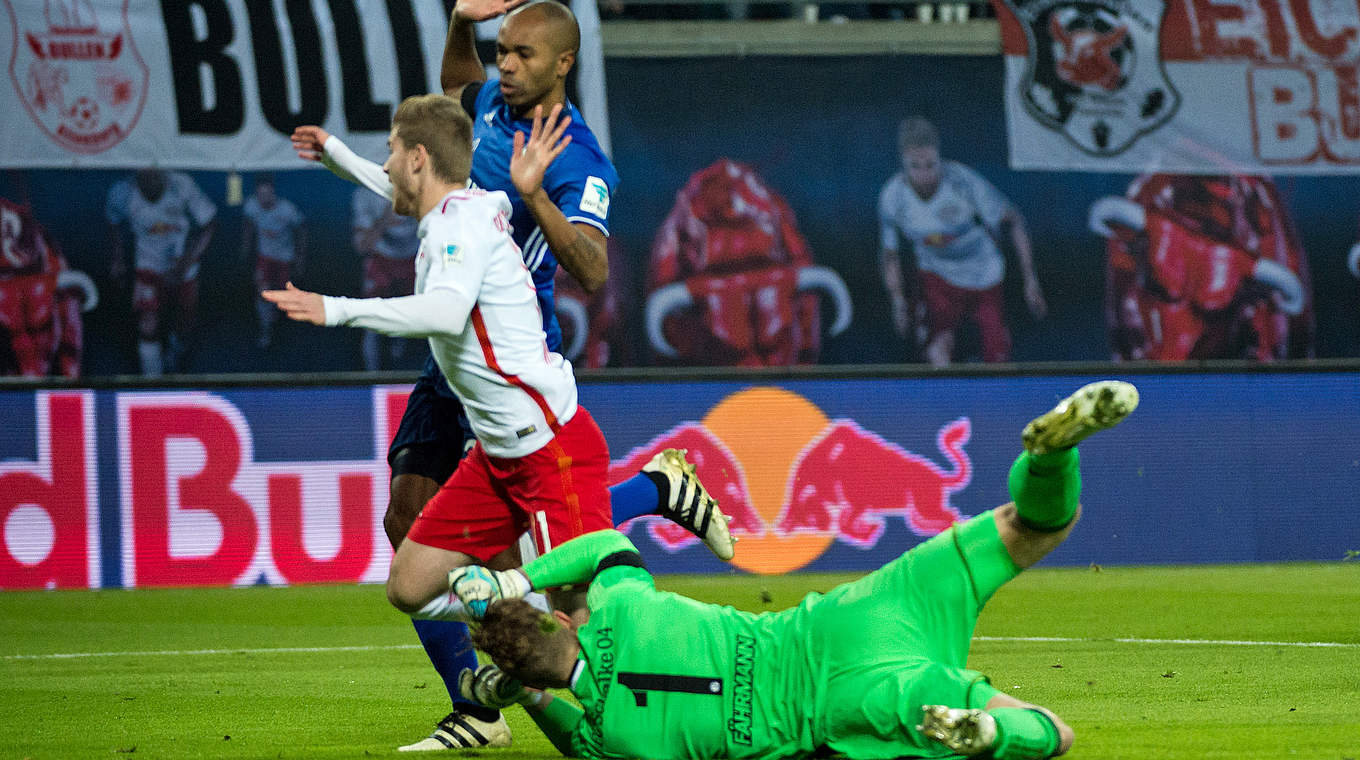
(595, 197)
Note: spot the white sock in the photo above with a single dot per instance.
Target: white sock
(539, 601)
(446, 606)
(149, 351)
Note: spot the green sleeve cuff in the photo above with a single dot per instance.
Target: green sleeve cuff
(577, 560)
(558, 722)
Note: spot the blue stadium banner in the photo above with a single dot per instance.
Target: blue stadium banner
(287, 485)
(220, 84)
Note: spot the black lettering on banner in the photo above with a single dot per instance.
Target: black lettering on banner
(406, 43)
(361, 113)
(265, 36)
(189, 54)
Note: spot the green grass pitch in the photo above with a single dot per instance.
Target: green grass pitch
(332, 672)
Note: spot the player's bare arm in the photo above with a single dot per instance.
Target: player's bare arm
(194, 251)
(890, 264)
(460, 66)
(309, 141)
(580, 248)
(299, 305)
(1034, 294)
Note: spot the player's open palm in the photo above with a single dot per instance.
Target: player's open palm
(481, 10)
(308, 141)
(298, 304)
(533, 155)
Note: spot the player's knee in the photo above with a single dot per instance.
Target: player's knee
(402, 595)
(408, 495)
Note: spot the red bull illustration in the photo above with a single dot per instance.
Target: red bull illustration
(795, 481)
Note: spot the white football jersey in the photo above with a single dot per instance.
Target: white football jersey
(516, 392)
(951, 232)
(398, 240)
(274, 228)
(159, 229)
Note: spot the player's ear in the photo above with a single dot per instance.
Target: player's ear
(565, 60)
(564, 619)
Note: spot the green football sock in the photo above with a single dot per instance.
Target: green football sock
(1023, 734)
(1046, 488)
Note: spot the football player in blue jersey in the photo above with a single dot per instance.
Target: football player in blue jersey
(560, 214)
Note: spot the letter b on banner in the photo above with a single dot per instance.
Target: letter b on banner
(184, 522)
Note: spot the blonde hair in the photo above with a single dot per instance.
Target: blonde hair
(916, 132)
(440, 124)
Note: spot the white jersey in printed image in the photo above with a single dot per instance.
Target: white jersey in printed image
(160, 229)
(274, 228)
(399, 239)
(516, 392)
(952, 232)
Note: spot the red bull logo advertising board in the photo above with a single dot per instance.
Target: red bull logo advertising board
(288, 485)
(794, 481)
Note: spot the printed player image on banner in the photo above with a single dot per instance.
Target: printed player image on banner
(1182, 86)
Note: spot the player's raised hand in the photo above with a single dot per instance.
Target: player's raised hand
(531, 157)
(481, 10)
(308, 141)
(477, 587)
(297, 304)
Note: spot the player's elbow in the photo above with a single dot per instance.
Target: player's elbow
(593, 281)
(1066, 736)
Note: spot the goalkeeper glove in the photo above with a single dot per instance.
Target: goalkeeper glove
(477, 587)
(490, 686)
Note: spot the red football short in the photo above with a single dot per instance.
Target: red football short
(388, 278)
(948, 305)
(272, 274)
(556, 493)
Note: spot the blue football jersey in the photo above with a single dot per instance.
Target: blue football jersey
(580, 182)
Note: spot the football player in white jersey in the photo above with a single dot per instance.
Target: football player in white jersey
(387, 243)
(273, 234)
(952, 218)
(540, 463)
(161, 209)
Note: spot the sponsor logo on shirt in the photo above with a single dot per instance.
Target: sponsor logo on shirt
(453, 255)
(595, 197)
(743, 690)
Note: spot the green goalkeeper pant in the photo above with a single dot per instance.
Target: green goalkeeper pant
(898, 638)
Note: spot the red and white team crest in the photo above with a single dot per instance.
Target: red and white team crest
(77, 72)
(1094, 71)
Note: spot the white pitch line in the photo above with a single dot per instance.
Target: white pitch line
(1206, 642)
(391, 647)
(177, 652)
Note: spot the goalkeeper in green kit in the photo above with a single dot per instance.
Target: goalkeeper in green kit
(874, 668)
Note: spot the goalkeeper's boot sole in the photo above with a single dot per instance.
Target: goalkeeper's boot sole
(1094, 407)
(967, 732)
(458, 731)
(689, 505)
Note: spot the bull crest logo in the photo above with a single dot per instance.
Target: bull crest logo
(78, 73)
(1094, 71)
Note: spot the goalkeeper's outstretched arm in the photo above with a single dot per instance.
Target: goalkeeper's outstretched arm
(580, 559)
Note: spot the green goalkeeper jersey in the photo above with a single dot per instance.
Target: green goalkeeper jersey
(662, 676)
(700, 689)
